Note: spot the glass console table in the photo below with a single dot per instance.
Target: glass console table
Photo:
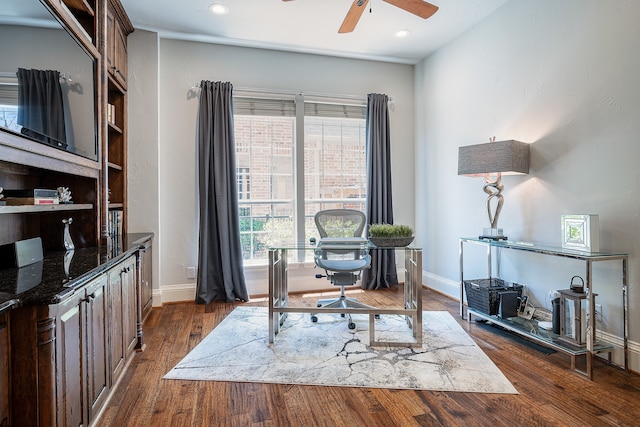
(529, 328)
(279, 291)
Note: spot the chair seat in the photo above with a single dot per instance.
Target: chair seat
(344, 265)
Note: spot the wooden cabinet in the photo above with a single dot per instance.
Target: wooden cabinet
(59, 362)
(62, 373)
(67, 357)
(118, 28)
(5, 370)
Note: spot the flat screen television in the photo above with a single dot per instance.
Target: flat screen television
(47, 80)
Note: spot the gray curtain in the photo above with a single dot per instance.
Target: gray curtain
(382, 273)
(220, 272)
(40, 106)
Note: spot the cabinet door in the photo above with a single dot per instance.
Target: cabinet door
(70, 365)
(146, 290)
(116, 336)
(5, 380)
(130, 311)
(120, 55)
(111, 25)
(116, 48)
(96, 350)
(122, 314)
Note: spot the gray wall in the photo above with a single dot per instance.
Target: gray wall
(181, 64)
(143, 171)
(563, 76)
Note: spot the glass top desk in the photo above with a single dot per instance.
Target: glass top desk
(279, 291)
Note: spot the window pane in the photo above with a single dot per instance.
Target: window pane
(264, 164)
(335, 163)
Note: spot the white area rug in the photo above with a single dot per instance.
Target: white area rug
(328, 353)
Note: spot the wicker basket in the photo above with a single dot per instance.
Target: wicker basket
(484, 294)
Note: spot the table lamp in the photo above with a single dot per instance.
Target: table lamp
(490, 161)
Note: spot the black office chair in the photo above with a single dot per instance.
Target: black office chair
(342, 253)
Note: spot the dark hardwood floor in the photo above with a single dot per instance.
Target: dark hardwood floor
(549, 393)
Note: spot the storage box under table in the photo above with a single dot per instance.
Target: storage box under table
(484, 294)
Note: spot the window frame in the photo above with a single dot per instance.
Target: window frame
(323, 106)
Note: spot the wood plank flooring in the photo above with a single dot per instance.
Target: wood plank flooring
(550, 394)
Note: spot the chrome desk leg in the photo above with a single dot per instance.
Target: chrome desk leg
(278, 290)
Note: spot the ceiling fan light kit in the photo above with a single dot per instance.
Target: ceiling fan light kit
(419, 8)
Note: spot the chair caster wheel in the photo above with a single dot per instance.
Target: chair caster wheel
(319, 305)
(352, 325)
(377, 316)
(341, 314)
(314, 319)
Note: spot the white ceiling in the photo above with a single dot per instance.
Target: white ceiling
(312, 25)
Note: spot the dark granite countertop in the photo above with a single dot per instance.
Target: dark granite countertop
(47, 282)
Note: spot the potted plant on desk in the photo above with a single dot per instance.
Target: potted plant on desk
(390, 235)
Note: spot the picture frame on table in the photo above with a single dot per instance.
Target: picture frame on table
(580, 232)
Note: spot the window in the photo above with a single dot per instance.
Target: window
(9, 103)
(275, 206)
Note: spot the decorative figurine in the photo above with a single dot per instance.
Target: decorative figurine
(64, 194)
(68, 256)
(68, 243)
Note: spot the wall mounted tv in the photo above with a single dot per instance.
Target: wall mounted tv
(47, 80)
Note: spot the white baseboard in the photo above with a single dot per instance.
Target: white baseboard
(441, 284)
(175, 293)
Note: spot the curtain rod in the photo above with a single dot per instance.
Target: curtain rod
(63, 76)
(322, 96)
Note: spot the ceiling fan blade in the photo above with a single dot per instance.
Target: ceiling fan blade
(353, 16)
(417, 7)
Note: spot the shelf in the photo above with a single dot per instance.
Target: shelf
(114, 166)
(45, 208)
(114, 128)
(80, 6)
(544, 249)
(81, 27)
(115, 85)
(529, 329)
(115, 206)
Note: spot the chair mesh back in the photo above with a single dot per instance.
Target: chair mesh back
(340, 223)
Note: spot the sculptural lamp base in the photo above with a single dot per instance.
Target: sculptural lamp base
(493, 234)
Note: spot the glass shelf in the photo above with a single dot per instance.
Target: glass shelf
(356, 245)
(544, 249)
(530, 330)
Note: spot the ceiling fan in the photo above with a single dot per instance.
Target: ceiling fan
(417, 7)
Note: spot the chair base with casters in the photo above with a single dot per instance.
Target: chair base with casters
(342, 279)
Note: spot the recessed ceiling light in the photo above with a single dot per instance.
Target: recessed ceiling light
(218, 9)
(402, 33)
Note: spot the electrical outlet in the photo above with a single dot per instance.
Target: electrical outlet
(599, 312)
(191, 272)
